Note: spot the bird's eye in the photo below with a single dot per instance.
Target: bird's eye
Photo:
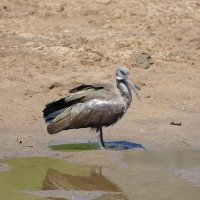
(124, 73)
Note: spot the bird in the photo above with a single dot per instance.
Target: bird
(92, 106)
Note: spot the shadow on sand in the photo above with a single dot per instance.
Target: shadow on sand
(124, 145)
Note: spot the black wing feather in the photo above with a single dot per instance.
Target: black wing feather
(54, 108)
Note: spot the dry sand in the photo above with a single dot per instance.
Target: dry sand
(48, 47)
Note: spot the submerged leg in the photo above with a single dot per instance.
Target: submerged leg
(99, 133)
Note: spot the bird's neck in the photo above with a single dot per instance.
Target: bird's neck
(125, 91)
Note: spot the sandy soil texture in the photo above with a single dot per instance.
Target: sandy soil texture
(48, 47)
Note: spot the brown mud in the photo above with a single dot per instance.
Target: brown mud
(49, 47)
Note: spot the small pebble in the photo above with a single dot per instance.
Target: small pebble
(40, 48)
(175, 123)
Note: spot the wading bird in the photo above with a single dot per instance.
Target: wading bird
(91, 106)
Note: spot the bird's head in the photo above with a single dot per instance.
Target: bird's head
(123, 75)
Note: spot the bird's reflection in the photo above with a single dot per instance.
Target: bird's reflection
(56, 180)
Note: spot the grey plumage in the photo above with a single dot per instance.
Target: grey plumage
(92, 106)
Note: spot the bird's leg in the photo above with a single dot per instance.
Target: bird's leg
(99, 133)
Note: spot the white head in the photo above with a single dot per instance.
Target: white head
(123, 75)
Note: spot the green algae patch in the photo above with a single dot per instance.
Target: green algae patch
(28, 173)
(112, 145)
(75, 147)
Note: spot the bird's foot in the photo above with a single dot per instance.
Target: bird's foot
(103, 148)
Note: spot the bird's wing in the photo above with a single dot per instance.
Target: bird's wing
(86, 87)
(80, 94)
(55, 107)
(93, 113)
(85, 106)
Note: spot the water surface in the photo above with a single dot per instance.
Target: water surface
(142, 175)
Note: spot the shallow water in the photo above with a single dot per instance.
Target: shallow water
(144, 175)
(159, 175)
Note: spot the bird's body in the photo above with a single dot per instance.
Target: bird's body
(86, 106)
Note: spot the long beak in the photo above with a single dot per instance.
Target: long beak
(135, 88)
